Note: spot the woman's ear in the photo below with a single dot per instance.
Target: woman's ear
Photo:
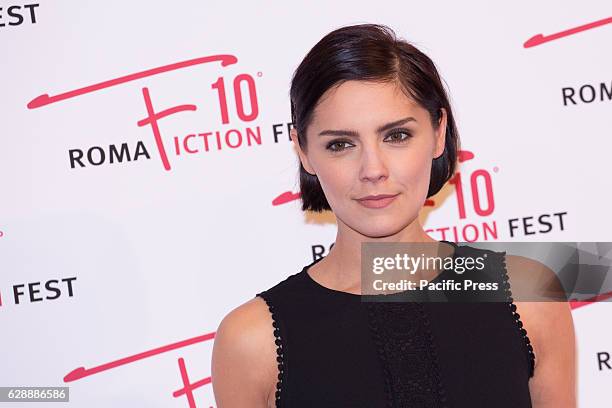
(301, 153)
(440, 135)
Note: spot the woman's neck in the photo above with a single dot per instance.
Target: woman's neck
(341, 268)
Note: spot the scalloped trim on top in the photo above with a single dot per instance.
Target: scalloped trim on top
(517, 317)
(279, 351)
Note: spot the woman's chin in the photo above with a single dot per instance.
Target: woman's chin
(379, 229)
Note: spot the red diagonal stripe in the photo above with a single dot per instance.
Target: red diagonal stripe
(541, 38)
(45, 99)
(82, 372)
(575, 304)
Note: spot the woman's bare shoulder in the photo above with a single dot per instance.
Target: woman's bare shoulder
(539, 296)
(253, 316)
(243, 363)
(532, 280)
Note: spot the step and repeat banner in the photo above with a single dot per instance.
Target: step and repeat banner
(148, 184)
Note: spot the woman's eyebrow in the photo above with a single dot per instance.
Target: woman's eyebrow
(354, 133)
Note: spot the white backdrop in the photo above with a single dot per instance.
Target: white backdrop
(161, 254)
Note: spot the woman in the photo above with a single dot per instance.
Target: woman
(375, 136)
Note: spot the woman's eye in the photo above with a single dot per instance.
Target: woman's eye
(399, 137)
(337, 146)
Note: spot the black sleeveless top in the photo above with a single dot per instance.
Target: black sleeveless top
(335, 350)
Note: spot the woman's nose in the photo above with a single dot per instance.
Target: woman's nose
(373, 165)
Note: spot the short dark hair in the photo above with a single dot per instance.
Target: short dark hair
(369, 52)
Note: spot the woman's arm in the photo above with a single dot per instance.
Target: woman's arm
(554, 382)
(550, 328)
(243, 366)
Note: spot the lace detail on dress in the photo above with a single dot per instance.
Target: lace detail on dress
(279, 351)
(405, 344)
(517, 317)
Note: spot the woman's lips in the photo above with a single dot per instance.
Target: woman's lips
(377, 203)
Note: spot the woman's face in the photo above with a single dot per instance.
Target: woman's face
(355, 154)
